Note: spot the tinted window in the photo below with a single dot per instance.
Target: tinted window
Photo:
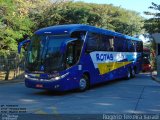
(92, 42)
(104, 43)
(131, 46)
(78, 34)
(120, 45)
(73, 52)
(111, 41)
(139, 46)
(125, 45)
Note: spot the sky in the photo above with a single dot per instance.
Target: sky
(135, 5)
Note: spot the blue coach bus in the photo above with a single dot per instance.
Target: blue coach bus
(76, 56)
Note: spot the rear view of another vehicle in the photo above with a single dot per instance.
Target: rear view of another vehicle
(146, 67)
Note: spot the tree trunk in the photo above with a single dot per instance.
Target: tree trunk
(7, 73)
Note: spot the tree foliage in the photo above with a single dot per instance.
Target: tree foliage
(100, 15)
(12, 26)
(19, 18)
(152, 25)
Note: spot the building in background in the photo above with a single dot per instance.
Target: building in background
(156, 37)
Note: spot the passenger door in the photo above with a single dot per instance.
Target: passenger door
(73, 52)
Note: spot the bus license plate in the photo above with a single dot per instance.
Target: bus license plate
(39, 85)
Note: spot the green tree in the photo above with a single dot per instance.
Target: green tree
(100, 15)
(68, 13)
(13, 26)
(152, 25)
(20, 17)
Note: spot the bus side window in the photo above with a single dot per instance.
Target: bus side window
(131, 46)
(104, 43)
(73, 52)
(80, 35)
(92, 42)
(125, 45)
(118, 44)
(139, 46)
(111, 41)
(69, 54)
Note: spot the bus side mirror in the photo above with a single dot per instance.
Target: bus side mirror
(23, 43)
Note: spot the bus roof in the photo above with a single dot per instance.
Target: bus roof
(69, 28)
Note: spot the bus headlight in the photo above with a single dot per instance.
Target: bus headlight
(57, 78)
(26, 76)
(60, 77)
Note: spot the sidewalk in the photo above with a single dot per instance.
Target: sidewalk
(18, 79)
(154, 76)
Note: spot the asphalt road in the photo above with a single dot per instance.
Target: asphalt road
(138, 95)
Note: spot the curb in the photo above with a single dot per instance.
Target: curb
(155, 78)
(11, 81)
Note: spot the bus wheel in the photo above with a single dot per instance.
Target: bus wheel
(128, 74)
(133, 73)
(83, 83)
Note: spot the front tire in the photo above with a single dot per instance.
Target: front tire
(83, 83)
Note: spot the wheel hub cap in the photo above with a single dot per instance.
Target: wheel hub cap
(82, 84)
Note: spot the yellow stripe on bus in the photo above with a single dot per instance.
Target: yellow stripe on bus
(107, 67)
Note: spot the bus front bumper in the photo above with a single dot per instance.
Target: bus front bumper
(63, 83)
(48, 85)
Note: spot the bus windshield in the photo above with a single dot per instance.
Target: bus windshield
(45, 53)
